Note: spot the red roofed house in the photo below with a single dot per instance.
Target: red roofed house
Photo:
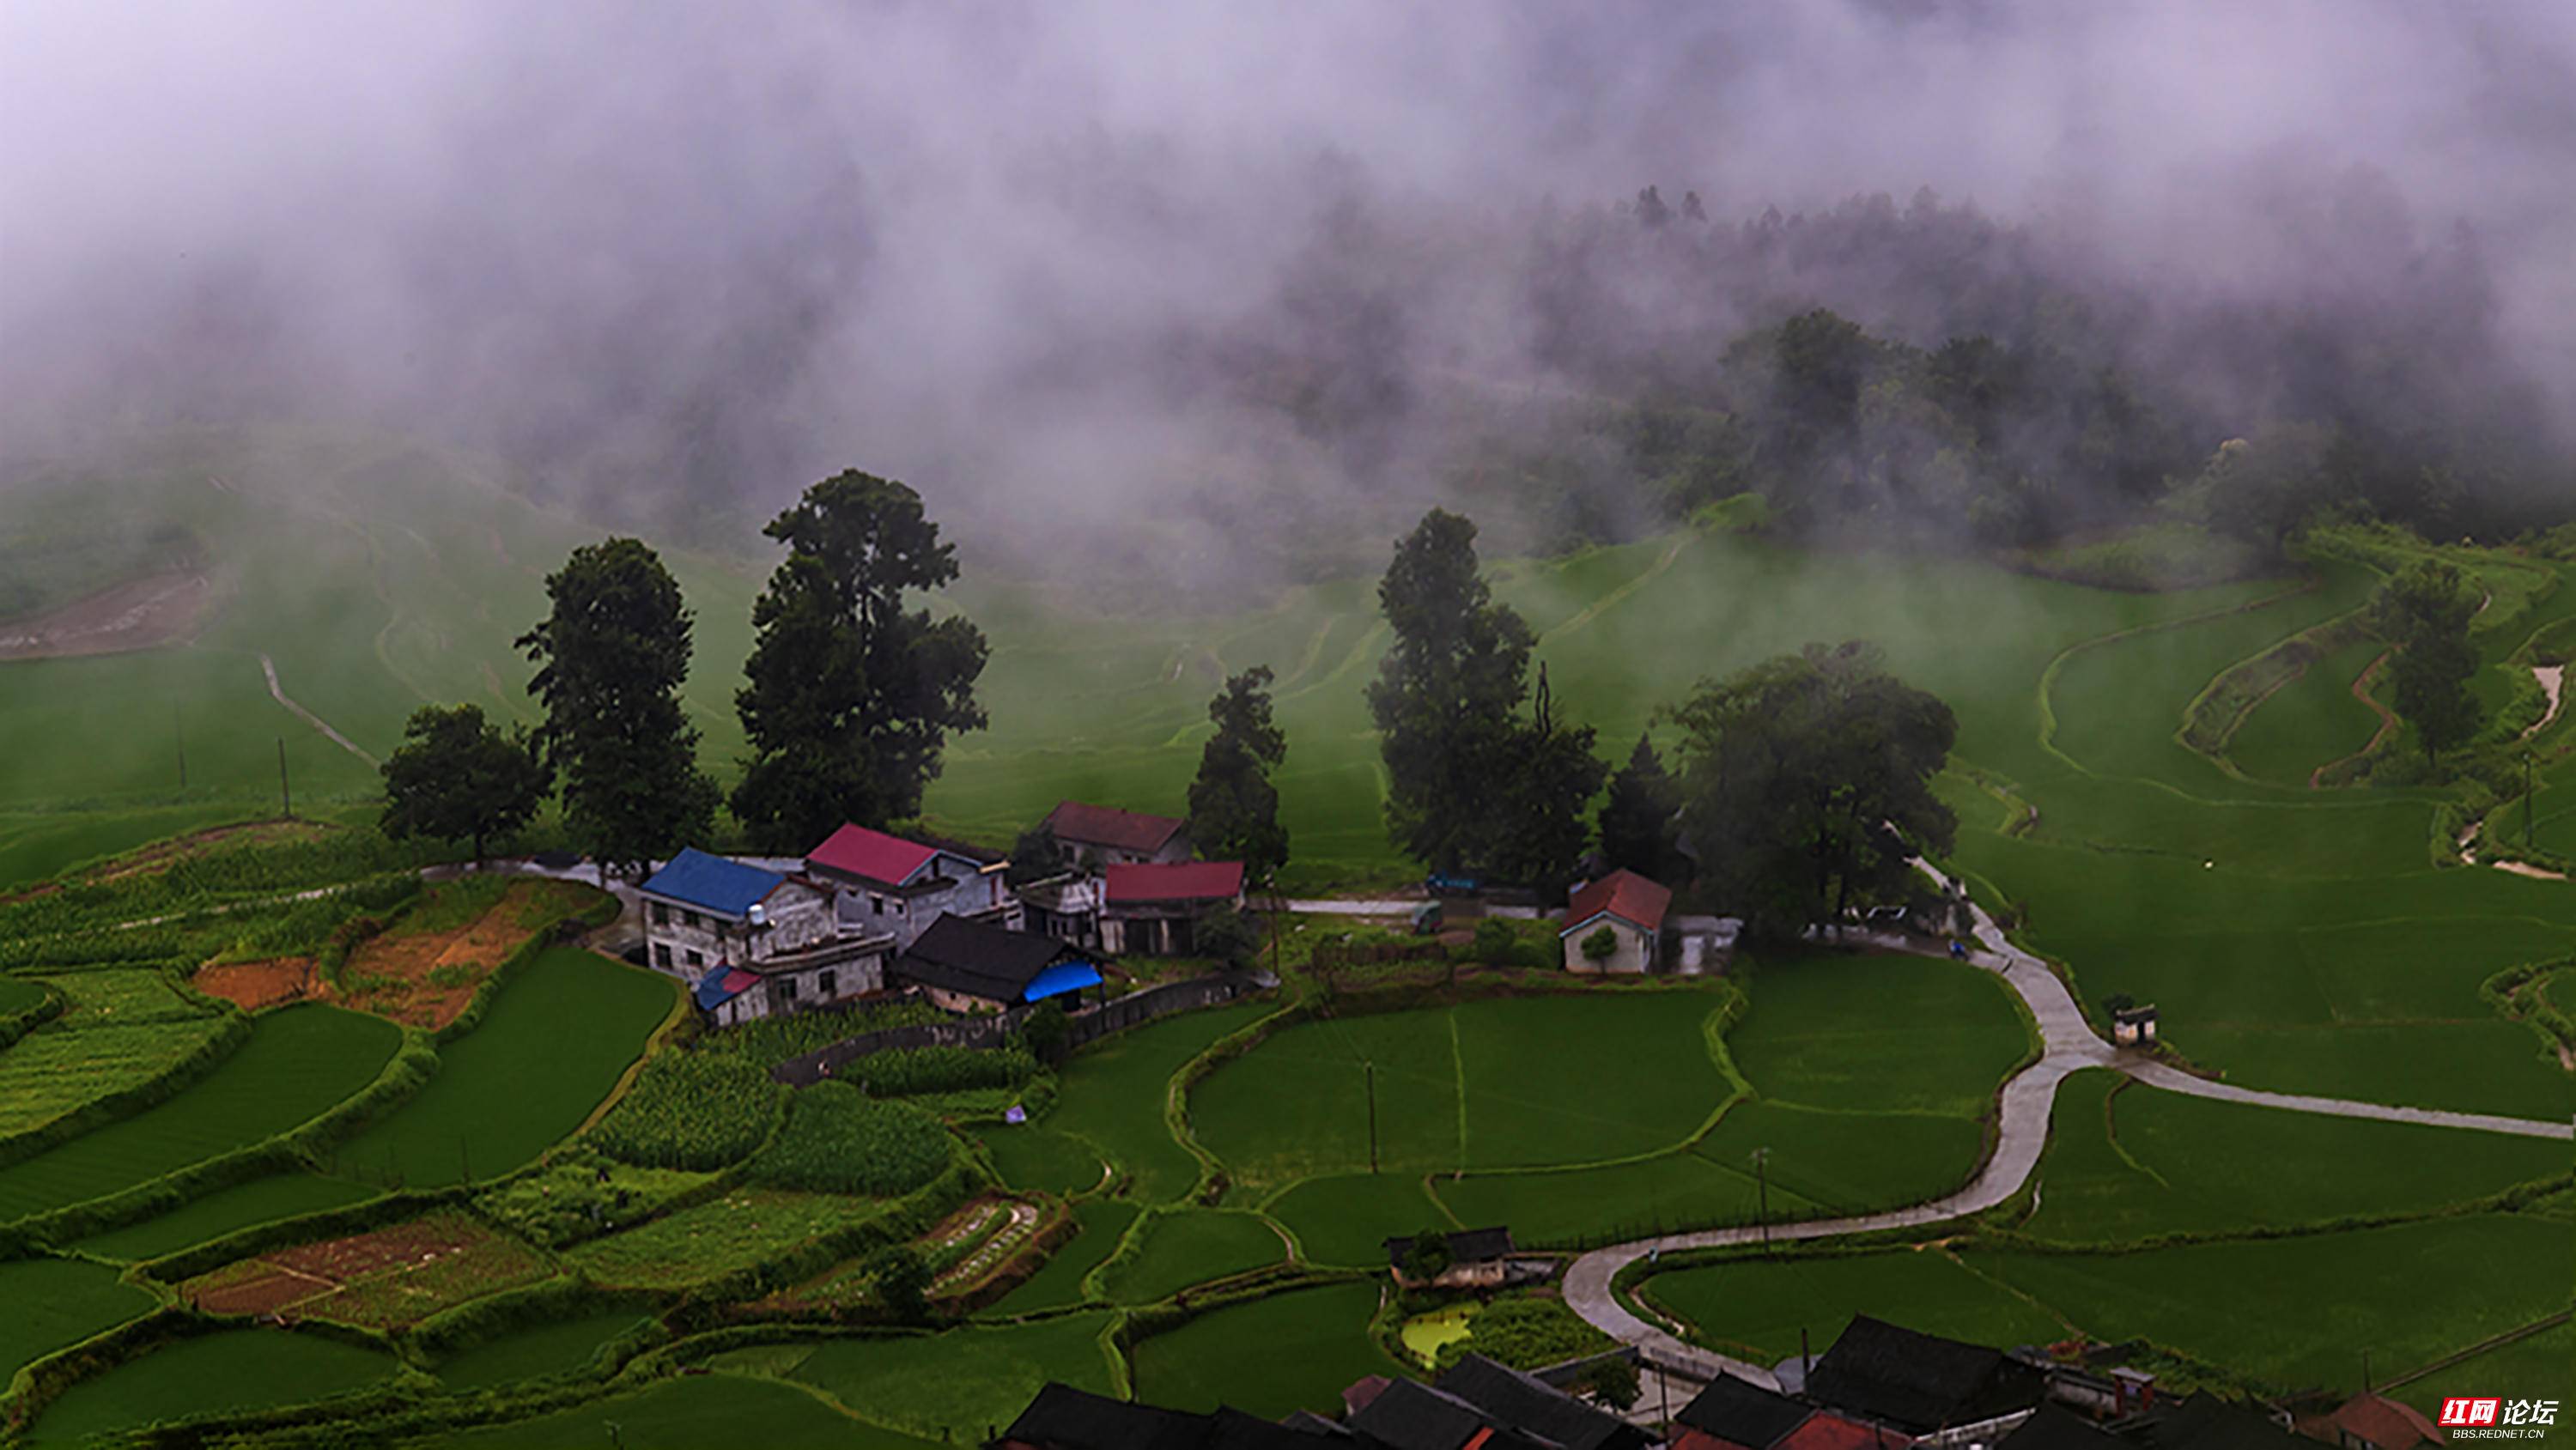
(2375, 1422)
(1154, 909)
(887, 884)
(1631, 908)
(1098, 836)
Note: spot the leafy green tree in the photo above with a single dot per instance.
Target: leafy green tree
(610, 657)
(1495, 943)
(1036, 855)
(1613, 1381)
(1234, 808)
(1600, 946)
(2262, 489)
(1429, 1257)
(458, 777)
(852, 696)
(1227, 935)
(1471, 784)
(1046, 1029)
(2425, 611)
(1807, 778)
(1637, 822)
(902, 1278)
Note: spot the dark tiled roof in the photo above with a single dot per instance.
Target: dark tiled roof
(1109, 826)
(1742, 1413)
(1466, 1246)
(2206, 1422)
(1411, 1415)
(1623, 894)
(1065, 1418)
(980, 960)
(1919, 1382)
(2055, 1427)
(1524, 1402)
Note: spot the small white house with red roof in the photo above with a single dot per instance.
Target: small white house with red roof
(888, 884)
(1098, 836)
(1629, 907)
(1154, 908)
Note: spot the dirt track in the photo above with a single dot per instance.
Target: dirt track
(138, 614)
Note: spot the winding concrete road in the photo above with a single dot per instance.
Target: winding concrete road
(2068, 1045)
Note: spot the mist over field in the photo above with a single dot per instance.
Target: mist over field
(1229, 294)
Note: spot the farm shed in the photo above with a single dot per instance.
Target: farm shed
(1631, 908)
(1100, 836)
(973, 966)
(2134, 1026)
(1479, 1258)
(886, 884)
(1155, 909)
(711, 917)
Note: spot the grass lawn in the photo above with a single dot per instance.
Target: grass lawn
(952, 1385)
(1292, 1351)
(557, 1347)
(57, 1303)
(1042, 1159)
(743, 1228)
(1192, 1246)
(2408, 1293)
(298, 1062)
(229, 1370)
(1098, 1225)
(1111, 1094)
(519, 1082)
(1344, 1221)
(691, 1413)
(226, 1210)
(2159, 1162)
(1755, 1308)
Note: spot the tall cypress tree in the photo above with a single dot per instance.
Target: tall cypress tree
(610, 658)
(1637, 821)
(1234, 809)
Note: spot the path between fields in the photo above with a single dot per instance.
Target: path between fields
(2068, 1045)
(269, 667)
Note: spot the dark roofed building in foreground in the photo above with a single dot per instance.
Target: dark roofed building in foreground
(1065, 1418)
(1922, 1384)
(966, 965)
(1530, 1405)
(1734, 1414)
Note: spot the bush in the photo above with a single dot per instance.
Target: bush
(838, 1140)
(696, 1110)
(1526, 1333)
(1601, 946)
(770, 1041)
(581, 1195)
(1495, 942)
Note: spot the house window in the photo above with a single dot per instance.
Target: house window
(661, 954)
(829, 988)
(787, 989)
(696, 959)
(661, 914)
(898, 906)
(877, 904)
(688, 918)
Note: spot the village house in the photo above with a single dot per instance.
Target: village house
(1734, 1414)
(1094, 837)
(1064, 906)
(1481, 1404)
(1628, 906)
(2371, 1421)
(888, 884)
(752, 942)
(1154, 909)
(965, 965)
(1479, 1258)
(1936, 1391)
(1065, 1418)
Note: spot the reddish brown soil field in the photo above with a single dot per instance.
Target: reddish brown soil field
(406, 1243)
(254, 985)
(134, 615)
(408, 962)
(264, 1292)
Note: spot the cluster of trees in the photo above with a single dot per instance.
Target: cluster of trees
(849, 698)
(2424, 611)
(1805, 784)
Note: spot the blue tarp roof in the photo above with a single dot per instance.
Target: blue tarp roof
(1059, 979)
(712, 992)
(713, 883)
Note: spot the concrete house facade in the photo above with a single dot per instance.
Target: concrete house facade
(1154, 908)
(886, 884)
(751, 942)
(1631, 908)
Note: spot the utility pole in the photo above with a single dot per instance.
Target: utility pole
(179, 727)
(1371, 1069)
(2526, 801)
(1762, 1185)
(284, 794)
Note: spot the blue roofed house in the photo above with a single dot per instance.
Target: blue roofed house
(752, 942)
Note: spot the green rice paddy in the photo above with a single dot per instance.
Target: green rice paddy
(952, 1386)
(1192, 1246)
(535, 1351)
(224, 1211)
(1292, 1351)
(1100, 1223)
(55, 1304)
(229, 1370)
(690, 1413)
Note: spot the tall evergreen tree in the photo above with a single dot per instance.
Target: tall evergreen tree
(1234, 808)
(852, 696)
(1637, 821)
(1470, 784)
(610, 659)
(2425, 611)
(457, 777)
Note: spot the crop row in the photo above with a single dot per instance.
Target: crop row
(697, 1110)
